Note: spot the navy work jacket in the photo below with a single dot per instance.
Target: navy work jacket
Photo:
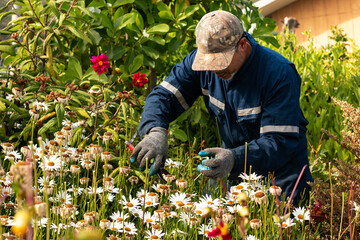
(259, 105)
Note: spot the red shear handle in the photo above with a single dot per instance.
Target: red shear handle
(129, 145)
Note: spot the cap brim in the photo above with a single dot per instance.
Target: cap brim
(212, 61)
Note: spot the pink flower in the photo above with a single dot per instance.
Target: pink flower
(139, 80)
(100, 63)
(221, 230)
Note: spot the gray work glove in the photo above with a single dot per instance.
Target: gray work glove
(153, 146)
(220, 166)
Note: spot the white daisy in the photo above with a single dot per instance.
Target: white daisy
(150, 202)
(41, 223)
(301, 214)
(251, 177)
(236, 208)
(13, 155)
(244, 186)
(137, 212)
(6, 191)
(43, 181)
(287, 223)
(154, 234)
(212, 203)
(66, 123)
(173, 164)
(62, 197)
(92, 190)
(149, 218)
(41, 106)
(129, 228)
(10, 97)
(356, 207)
(204, 229)
(119, 216)
(141, 193)
(201, 208)
(109, 197)
(52, 163)
(112, 189)
(133, 203)
(76, 190)
(189, 218)
(251, 237)
(116, 226)
(229, 200)
(179, 200)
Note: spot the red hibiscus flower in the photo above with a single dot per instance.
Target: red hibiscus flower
(100, 63)
(221, 230)
(139, 80)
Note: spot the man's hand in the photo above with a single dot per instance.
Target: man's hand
(220, 166)
(153, 146)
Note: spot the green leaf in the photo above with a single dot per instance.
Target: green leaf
(4, 14)
(166, 15)
(179, 7)
(82, 112)
(139, 21)
(60, 112)
(189, 11)
(196, 116)
(52, 5)
(19, 19)
(79, 34)
(116, 52)
(151, 52)
(161, 28)
(2, 107)
(74, 70)
(136, 63)
(180, 134)
(106, 21)
(47, 126)
(162, 6)
(122, 2)
(9, 49)
(94, 36)
(125, 20)
(6, 42)
(61, 19)
(76, 137)
(158, 40)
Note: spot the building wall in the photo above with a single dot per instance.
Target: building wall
(318, 16)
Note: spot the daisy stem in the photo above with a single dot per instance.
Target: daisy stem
(342, 212)
(332, 203)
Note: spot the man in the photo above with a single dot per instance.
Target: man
(253, 94)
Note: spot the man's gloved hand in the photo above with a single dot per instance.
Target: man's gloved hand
(220, 166)
(153, 146)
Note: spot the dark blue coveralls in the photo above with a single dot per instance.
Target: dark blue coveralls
(259, 105)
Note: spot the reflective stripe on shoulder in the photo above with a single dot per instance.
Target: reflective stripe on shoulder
(213, 100)
(285, 129)
(249, 111)
(177, 94)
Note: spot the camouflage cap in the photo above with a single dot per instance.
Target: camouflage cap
(217, 35)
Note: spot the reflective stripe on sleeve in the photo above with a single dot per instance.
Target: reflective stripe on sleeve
(285, 129)
(177, 94)
(213, 100)
(249, 111)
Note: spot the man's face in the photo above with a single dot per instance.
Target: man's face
(236, 63)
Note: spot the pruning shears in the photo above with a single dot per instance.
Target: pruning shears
(161, 172)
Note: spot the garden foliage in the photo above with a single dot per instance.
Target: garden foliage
(84, 68)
